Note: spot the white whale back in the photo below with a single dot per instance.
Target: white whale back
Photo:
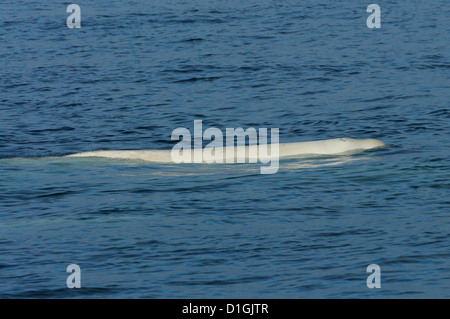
(328, 147)
(325, 147)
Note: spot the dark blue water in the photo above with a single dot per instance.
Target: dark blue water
(136, 70)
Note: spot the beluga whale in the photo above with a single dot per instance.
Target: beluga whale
(251, 153)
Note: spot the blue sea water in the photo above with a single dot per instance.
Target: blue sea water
(136, 70)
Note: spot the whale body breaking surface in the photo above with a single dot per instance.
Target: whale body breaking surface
(335, 146)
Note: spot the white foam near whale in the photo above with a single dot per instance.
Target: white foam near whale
(324, 147)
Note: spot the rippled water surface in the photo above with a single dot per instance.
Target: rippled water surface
(136, 70)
